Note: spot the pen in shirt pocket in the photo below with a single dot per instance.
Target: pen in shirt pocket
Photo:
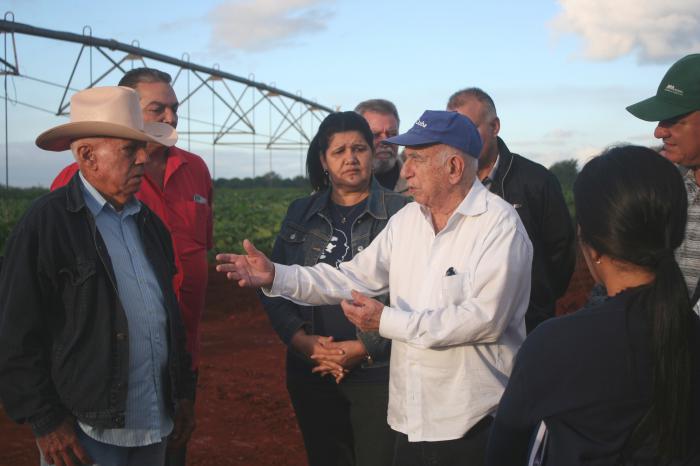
(450, 271)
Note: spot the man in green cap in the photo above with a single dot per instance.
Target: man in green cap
(676, 106)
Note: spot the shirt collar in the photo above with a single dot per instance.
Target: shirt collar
(96, 202)
(488, 179)
(473, 204)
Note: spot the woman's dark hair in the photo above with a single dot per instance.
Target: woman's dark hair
(334, 123)
(631, 205)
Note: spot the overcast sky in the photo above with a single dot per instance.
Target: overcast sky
(560, 72)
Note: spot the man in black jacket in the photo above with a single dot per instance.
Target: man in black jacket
(383, 120)
(536, 195)
(92, 346)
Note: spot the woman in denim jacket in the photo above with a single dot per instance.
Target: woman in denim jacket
(337, 376)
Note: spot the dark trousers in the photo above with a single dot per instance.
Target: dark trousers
(342, 425)
(470, 450)
(178, 457)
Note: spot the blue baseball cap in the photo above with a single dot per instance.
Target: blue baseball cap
(441, 127)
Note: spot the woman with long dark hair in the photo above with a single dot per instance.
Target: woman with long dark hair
(616, 384)
(342, 416)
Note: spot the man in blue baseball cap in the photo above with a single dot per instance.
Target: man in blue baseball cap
(457, 265)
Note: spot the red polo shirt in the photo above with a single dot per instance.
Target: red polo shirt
(184, 205)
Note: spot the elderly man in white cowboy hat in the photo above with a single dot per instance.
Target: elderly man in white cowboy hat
(92, 346)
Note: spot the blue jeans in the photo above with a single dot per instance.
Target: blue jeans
(104, 454)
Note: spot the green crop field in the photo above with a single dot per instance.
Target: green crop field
(13, 203)
(254, 213)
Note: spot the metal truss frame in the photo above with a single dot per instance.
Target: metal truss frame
(239, 96)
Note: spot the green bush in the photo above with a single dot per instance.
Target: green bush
(254, 213)
(13, 203)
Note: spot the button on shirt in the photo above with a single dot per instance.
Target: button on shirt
(147, 418)
(454, 335)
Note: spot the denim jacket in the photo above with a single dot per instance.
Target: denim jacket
(63, 332)
(305, 232)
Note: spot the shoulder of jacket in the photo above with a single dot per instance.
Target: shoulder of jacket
(47, 204)
(529, 168)
(299, 207)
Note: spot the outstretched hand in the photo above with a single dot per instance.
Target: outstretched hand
(362, 311)
(251, 270)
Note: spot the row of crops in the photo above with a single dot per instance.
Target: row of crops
(254, 213)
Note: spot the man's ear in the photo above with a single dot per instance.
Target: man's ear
(496, 126)
(84, 155)
(455, 165)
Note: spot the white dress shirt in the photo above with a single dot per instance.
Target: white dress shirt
(454, 335)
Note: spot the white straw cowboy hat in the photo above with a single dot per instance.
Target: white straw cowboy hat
(106, 112)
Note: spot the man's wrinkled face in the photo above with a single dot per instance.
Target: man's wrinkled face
(681, 138)
(158, 103)
(426, 173)
(383, 126)
(115, 167)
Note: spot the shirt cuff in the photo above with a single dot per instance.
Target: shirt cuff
(393, 323)
(277, 288)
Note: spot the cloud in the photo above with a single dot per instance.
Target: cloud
(257, 25)
(658, 31)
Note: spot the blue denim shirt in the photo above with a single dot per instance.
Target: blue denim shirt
(305, 232)
(147, 418)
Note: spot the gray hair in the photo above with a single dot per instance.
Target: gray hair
(469, 161)
(144, 75)
(382, 106)
(459, 98)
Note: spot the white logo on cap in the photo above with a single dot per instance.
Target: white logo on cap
(422, 124)
(673, 90)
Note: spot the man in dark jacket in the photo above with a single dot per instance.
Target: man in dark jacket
(383, 120)
(92, 346)
(536, 195)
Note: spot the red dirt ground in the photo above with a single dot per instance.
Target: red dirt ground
(243, 413)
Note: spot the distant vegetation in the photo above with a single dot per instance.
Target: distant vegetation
(566, 172)
(243, 208)
(13, 203)
(268, 180)
(253, 213)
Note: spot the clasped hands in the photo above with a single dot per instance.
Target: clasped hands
(254, 270)
(334, 358)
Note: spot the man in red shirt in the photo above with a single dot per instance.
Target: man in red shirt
(178, 188)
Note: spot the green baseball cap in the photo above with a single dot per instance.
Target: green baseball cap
(678, 93)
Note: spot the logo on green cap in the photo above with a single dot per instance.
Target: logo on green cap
(678, 93)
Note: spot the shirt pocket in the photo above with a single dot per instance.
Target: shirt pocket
(455, 289)
(195, 221)
(293, 237)
(77, 293)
